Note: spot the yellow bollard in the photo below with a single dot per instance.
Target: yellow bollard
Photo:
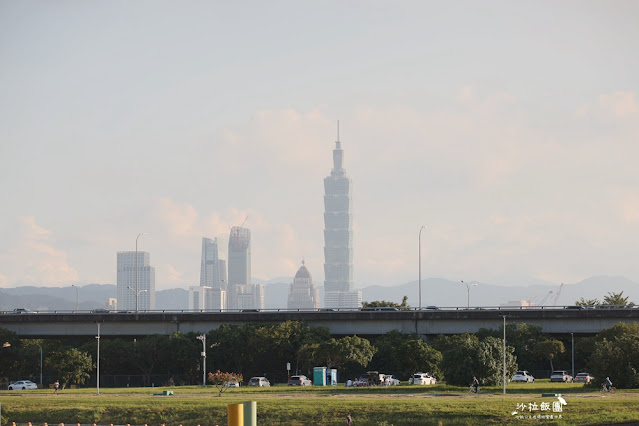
(250, 413)
(235, 414)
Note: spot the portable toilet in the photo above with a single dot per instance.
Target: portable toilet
(319, 376)
(331, 377)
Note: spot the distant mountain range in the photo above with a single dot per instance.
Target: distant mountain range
(435, 291)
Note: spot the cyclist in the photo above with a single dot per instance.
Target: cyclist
(608, 384)
(475, 384)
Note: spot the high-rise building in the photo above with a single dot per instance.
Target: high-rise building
(303, 294)
(212, 269)
(239, 263)
(249, 296)
(130, 272)
(204, 298)
(338, 236)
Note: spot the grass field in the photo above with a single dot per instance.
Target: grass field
(397, 405)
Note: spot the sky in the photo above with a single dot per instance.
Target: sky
(508, 129)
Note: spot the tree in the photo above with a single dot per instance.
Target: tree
(386, 358)
(148, 354)
(549, 349)
(523, 337)
(343, 352)
(459, 354)
(380, 304)
(464, 356)
(616, 299)
(72, 366)
(262, 349)
(416, 355)
(490, 361)
(611, 299)
(616, 355)
(220, 380)
(587, 302)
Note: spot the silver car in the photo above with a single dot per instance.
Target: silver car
(299, 381)
(22, 385)
(260, 382)
(561, 376)
(523, 376)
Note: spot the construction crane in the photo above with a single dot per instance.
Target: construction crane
(554, 302)
(545, 298)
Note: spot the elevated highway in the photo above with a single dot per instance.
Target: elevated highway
(427, 322)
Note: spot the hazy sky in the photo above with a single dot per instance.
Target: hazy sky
(509, 129)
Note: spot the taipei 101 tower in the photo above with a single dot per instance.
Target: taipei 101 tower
(338, 236)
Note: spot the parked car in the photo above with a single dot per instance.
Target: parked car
(583, 378)
(392, 380)
(299, 381)
(422, 379)
(233, 384)
(259, 381)
(560, 376)
(22, 385)
(523, 376)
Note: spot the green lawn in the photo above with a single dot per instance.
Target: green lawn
(397, 405)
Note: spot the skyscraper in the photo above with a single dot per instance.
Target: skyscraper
(212, 269)
(338, 236)
(239, 263)
(128, 268)
(303, 294)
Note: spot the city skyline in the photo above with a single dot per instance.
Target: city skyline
(509, 129)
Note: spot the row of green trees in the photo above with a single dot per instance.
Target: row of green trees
(265, 349)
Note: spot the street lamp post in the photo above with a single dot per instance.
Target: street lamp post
(40, 363)
(572, 338)
(137, 292)
(504, 352)
(77, 296)
(97, 377)
(420, 266)
(468, 286)
(202, 337)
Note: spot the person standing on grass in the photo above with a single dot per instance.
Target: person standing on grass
(56, 385)
(349, 420)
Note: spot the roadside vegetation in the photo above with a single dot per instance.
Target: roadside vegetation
(396, 405)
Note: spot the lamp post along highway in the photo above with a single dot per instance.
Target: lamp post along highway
(137, 294)
(137, 291)
(420, 266)
(468, 287)
(77, 296)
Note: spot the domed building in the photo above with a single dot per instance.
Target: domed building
(303, 294)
